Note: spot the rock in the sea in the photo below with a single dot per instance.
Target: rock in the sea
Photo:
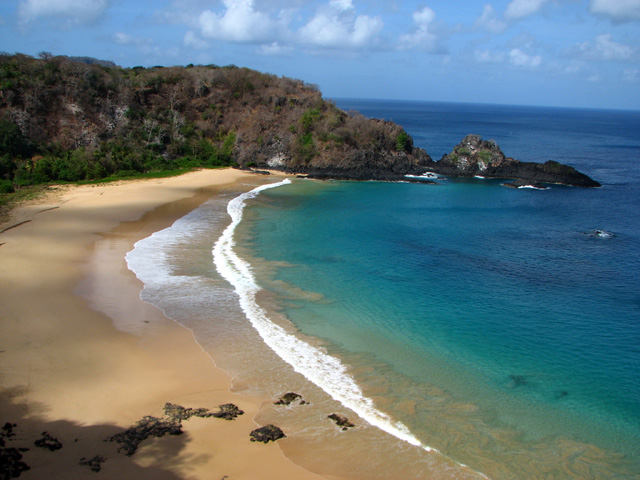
(147, 427)
(47, 441)
(475, 156)
(94, 464)
(342, 421)
(518, 380)
(289, 398)
(267, 433)
(601, 234)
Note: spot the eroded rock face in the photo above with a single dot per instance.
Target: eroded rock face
(266, 434)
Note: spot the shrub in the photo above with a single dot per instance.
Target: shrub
(6, 186)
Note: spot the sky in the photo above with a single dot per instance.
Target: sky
(569, 53)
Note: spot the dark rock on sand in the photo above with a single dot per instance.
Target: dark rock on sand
(94, 464)
(267, 433)
(171, 424)
(11, 464)
(228, 411)
(177, 413)
(147, 427)
(341, 421)
(289, 398)
(47, 441)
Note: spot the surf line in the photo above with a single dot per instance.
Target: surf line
(322, 369)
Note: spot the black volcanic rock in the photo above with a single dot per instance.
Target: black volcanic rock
(475, 156)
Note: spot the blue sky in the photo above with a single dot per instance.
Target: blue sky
(577, 53)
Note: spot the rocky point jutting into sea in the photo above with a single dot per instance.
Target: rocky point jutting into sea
(64, 119)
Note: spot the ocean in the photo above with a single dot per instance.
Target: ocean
(468, 330)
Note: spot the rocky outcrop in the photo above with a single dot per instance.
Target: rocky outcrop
(48, 442)
(266, 434)
(170, 424)
(94, 464)
(11, 464)
(475, 156)
(147, 427)
(342, 421)
(111, 121)
(290, 398)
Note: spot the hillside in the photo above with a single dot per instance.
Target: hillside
(62, 119)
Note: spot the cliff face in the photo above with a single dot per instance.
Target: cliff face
(475, 156)
(67, 120)
(64, 119)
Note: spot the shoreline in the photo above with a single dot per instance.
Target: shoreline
(75, 372)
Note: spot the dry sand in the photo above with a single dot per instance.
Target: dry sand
(66, 369)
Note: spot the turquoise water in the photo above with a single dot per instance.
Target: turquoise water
(492, 324)
(504, 299)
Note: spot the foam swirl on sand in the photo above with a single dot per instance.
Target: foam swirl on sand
(324, 370)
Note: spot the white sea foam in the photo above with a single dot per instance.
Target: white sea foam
(324, 370)
(328, 372)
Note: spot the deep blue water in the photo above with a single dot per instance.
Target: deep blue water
(504, 299)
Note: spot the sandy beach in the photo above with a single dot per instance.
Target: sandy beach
(83, 369)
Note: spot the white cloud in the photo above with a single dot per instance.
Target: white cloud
(76, 12)
(617, 10)
(606, 49)
(239, 22)
(192, 40)
(519, 58)
(485, 56)
(421, 38)
(123, 38)
(341, 5)
(275, 49)
(330, 30)
(631, 75)
(490, 21)
(518, 9)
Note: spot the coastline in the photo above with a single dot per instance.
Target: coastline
(75, 372)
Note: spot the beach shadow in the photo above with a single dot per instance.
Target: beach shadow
(70, 450)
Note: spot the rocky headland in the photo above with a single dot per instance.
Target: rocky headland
(68, 119)
(474, 156)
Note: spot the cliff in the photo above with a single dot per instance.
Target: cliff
(63, 119)
(70, 119)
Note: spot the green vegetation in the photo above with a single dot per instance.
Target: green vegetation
(402, 142)
(76, 120)
(485, 155)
